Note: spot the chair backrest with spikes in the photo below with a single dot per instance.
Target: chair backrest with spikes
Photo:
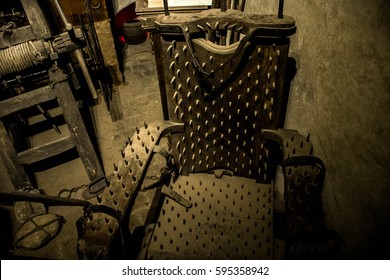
(225, 75)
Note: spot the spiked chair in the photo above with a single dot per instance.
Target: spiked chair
(223, 84)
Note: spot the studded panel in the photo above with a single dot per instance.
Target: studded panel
(224, 132)
(231, 218)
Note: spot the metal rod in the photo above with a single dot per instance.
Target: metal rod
(78, 53)
(13, 196)
(280, 11)
(166, 8)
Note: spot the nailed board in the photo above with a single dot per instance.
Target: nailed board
(231, 218)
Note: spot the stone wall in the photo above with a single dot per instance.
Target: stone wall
(341, 94)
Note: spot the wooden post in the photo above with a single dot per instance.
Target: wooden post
(9, 160)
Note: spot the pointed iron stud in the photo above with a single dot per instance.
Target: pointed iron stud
(270, 58)
(177, 145)
(207, 147)
(268, 76)
(240, 82)
(238, 123)
(200, 163)
(308, 138)
(176, 109)
(198, 116)
(119, 176)
(198, 128)
(200, 27)
(276, 68)
(193, 157)
(206, 122)
(173, 80)
(222, 110)
(213, 117)
(115, 167)
(239, 97)
(311, 151)
(152, 138)
(230, 89)
(185, 49)
(177, 57)
(169, 49)
(192, 146)
(265, 106)
(248, 90)
(214, 141)
(211, 59)
(200, 152)
(188, 81)
(180, 170)
(247, 104)
(137, 129)
(244, 143)
(255, 113)
(197, 102)
(270, 116)
(277, 52)
(122, 154)
(186, 65)
(172, 66)
(206, 109)
(245, 131)
(193, 168)
(237, 136)
(189, 109)
(184, 150)
(229, 130)
(179, 87)
(251, 151)
(206, 135)
(175, 95)
(192, 135)
(272, 101)
(203, 65)
(178, 72)
(190, 122)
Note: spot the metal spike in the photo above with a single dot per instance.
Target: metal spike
(237, 136)
(265, 106)
(214, 129)
(206, 122)
(184, 150)
(255, 113)
(122, 154)
(251, 151)
(176, 109)
(206, 135)
(247, 105)
(207, 166)
(193, 157)
(229, 130)
(266, 153)
(180, 170)
(230, 117)
(245, 131)
(198, 116)
(270, 115)
(230, 89)
(175, 95)
(191, 134)
(268, 75)
(200, 152)
(222, 136)
(308, 138)
(214, 141)
(246, 118)
(238, 124)
(222, 110)
(244, 143)
(228, 154)
(172, 65)
(188, 83)
(253, 137)
(173, 80)
(178, 72)
(277, 52)
(213, 117)
(115, 167)
(180, 156)
(237, 149)
(198, 128)
(248, 90)
(203, 65)
(266, 91)
(189, 109)
(177, 57)
(240, 82)
(152, 138)
(119, 176)
(270, 58)
(272, 101)
(214, 164)
(137, 129)
(249, 74)
(236, 160)
(276, 68)
(207, 147)
(239, 97)
(211, 58)
(207, 158)
(169, 49)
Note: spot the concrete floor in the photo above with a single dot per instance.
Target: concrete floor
(138, 100)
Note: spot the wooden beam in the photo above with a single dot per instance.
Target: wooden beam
(28, 99)
(46, 151)
(9, 159)
(36, 18)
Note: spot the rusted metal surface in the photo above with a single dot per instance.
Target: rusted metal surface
(222, 131)
(231, 218)
(123, 185)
